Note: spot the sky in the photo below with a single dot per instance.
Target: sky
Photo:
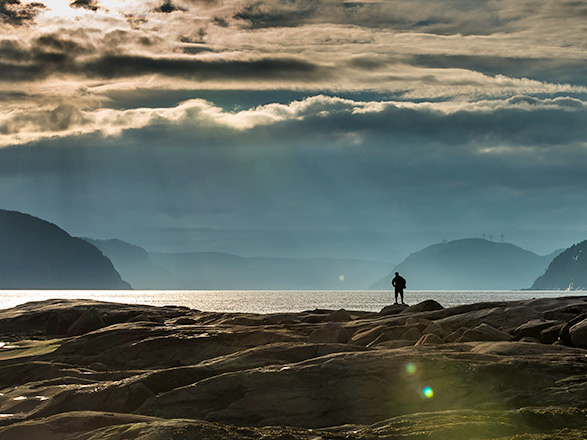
(364, 129)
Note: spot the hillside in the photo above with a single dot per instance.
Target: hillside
(134, 265)
(210, 270)
(36, 254)
(469, 264)
(567, 271)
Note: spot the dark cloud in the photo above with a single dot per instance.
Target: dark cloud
(115, 66)
(51, 55)
(444, 18)
(167, 7)
(16, 13)
(57, 119)
(46, 55)
(219, 21)
(91, 5)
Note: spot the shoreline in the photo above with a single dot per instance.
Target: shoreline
(275, 301)
(84, 369)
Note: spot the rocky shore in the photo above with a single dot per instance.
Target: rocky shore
(92, 370)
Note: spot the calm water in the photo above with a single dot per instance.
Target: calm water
(273, 301)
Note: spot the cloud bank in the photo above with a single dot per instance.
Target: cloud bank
(359, 114)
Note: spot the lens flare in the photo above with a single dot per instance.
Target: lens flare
(410, 368)
(428, 392)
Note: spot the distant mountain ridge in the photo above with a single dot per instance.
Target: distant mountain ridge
(223, 271)
(36, 254)
(469, 264)
(568, 271)
(213, 270)
(135, 265)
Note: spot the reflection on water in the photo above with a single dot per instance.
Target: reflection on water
(273, 301)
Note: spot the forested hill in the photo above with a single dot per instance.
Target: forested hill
(469, 264)
(36, 254)
(567, 271)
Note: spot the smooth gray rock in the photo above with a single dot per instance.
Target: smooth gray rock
(484, 332)
(330, 332)
(393, 309)
(533, 328)
(340, 315)
(428, 305)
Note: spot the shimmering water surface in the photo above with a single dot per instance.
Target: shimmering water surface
(273, 301)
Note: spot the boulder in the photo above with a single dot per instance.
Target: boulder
(578, 333)
(397, 331)
(435, 329)
(484, 332)
(566, 313)
(393, 309)
(533, 328)
(365, 337)
(412, 334)
(425, 306)
(564, 335)
(454, 336)
(421, 322)
(89, 321)
(550, 335)
(430, 339)
(340, 315)
(330, 332)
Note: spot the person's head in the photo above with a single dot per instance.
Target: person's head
(397, 273)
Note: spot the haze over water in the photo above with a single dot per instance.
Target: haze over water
(272, 301)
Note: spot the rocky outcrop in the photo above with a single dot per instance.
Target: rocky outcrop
(87, 369)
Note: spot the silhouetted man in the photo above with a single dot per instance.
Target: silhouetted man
(399, 283)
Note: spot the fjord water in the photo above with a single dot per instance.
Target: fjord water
(267, 301)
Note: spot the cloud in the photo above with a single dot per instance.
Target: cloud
(16, 13)
(91, 5)
(167, 7)
(520, 120)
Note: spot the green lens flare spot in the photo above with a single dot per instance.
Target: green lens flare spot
(410, 368)
(428, 392)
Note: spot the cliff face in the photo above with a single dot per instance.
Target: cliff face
(469, 264)
(567, 271)
(36, 254)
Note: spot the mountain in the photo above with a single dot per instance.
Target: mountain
(36, 254)
(469, 264)
(135, 265)
(222, 271)
(568, 271)
(212, 270)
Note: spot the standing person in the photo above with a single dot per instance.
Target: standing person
(399, 283)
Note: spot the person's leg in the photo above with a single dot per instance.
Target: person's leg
(401, 292)
(396, 296)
